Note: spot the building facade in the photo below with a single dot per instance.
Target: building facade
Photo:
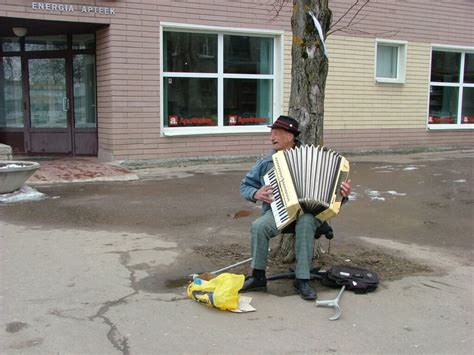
(164, 79)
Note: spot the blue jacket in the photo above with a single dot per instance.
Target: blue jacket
(253, 180)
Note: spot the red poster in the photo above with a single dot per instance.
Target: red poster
(232, 120)
(172, 120)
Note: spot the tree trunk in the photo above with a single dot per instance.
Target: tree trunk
(308, 82)
(309, 68)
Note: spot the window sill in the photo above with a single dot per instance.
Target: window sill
(447, 127)
(197, 131)
(389, 81)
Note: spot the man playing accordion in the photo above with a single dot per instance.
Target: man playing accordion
(284, 133)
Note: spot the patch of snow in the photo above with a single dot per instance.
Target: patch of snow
(395, 193)
(11, 166)
(25, 193)
(408, 168)
(383, 167)
(376, 198)
(353, 196)
(373, 193)
(377, 195)
(460, 180)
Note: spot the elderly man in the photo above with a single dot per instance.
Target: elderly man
(284, 135)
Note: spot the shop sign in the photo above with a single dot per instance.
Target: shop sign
(174, 120)
(58, 7)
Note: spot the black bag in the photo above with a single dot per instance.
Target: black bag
(355, 279)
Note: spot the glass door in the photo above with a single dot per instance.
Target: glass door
(48, 94)
(11, 93)
(49, 106)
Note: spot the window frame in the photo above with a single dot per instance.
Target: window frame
(402, 50)
(460, 85)
(277, 77)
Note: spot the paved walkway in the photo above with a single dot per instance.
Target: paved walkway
(85, 169)
(102, 269)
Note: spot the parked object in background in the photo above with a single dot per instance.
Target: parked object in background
(14, 173)
(5, 152)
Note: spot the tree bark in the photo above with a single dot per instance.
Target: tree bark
(308, 82)
(309, 68)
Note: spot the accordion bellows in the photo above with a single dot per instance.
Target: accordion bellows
(306, 179)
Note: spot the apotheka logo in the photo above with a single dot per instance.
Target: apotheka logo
(58, 7)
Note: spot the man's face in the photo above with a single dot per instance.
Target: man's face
(282, 139)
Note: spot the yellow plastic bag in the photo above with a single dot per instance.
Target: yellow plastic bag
(221, 292)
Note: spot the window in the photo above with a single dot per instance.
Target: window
(216, 81)
(10, 44)
(11, 93)
(451, 103)
(45, 43)
(83, 41)
(47, 83)
(390, 61)
(84, 91)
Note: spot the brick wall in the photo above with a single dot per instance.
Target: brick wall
(359, 114)
(426, 21)
(129, 81)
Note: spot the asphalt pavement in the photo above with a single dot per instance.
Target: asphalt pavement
(100, 263)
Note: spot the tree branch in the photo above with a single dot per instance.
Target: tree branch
(344, 14)
(351, 23)
(277, 6)
(358, 12)
(352, 19)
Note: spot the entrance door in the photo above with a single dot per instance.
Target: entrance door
(49, 107)
(48, 94)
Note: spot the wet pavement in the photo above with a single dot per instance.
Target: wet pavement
(101, 266)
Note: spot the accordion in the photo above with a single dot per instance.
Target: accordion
(306, 179)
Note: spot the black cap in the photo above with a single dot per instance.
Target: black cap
(287, 123)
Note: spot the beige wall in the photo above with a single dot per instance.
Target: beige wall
(362, 115)
(355, 101)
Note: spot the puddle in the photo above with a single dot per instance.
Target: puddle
(163, 282)
(240, 214)
(14, 327)
(177, 282)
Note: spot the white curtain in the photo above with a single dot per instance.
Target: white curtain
(387, 61)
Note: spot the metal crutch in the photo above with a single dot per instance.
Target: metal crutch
(224, 268)
(333, 303)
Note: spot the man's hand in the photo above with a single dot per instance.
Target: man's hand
(346, 188)
(264, 194)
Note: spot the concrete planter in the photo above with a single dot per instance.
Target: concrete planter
(14, 173)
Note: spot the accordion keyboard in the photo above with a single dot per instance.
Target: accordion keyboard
(306, 179)
(278, 208)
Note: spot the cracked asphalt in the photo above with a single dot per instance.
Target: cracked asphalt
(101, 267)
